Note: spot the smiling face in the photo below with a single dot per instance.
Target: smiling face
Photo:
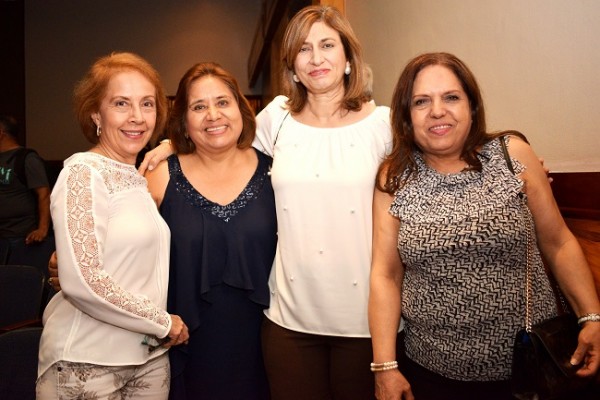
(440, 112)
(321, 61)
(213, 119)
(127, 116)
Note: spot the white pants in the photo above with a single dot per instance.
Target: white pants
(68, 380)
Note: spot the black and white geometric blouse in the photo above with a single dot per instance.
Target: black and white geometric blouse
(463, 244)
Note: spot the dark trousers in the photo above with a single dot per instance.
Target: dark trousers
(427, 385)
(304, 366)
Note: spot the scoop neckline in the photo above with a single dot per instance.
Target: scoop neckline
(371, 115)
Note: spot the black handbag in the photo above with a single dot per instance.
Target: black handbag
(541, 367)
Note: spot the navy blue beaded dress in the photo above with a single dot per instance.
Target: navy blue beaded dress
(221, 257)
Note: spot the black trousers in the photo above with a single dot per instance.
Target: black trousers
(427, 385)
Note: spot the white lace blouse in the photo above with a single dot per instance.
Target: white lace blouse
(113, 252)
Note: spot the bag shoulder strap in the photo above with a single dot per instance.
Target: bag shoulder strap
(506, 155)
(562, 302)
(279, 129)
(19, 165)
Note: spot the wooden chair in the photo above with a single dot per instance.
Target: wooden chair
(4, 249)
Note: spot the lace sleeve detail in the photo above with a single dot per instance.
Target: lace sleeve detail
(81, 231)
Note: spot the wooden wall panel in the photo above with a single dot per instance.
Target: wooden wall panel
(578, 197)
(339, 4)
(588, 234)
(577, 194)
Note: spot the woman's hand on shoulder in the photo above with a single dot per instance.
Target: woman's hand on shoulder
(523, 152)
(546, 169)
(158, 179)
(535, 174)
(155, 156)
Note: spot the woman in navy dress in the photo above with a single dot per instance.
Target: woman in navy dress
(215, 194)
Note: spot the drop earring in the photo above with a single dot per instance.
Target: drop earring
(295, 78)
(348, 69)
(98, 130)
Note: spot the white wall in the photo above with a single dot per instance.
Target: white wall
(64, 37)
(537, 62)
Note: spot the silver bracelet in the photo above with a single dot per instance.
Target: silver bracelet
(592, 317)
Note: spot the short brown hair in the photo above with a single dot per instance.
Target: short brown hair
(357, 84)
(177, 125)
(90, 91)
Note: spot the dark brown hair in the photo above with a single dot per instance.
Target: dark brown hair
(401, 157)
(177, 119)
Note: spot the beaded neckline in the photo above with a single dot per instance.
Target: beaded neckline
(223, 212)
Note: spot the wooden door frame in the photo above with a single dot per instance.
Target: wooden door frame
(339, 4)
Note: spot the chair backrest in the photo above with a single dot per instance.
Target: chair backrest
(4, 249)
(18, 369)
(21, 288)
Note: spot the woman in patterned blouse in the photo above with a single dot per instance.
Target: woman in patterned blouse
(450, 245)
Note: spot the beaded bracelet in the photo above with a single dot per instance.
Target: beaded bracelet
(592, 317)
(378, 367)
